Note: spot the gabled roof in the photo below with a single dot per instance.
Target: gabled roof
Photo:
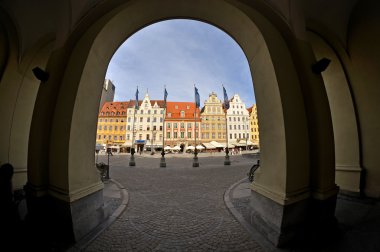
(160, 103)
(114, 107)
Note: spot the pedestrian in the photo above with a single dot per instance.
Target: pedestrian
(9, 215)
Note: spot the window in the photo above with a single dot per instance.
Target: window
(140, 136)
(149, 111)
(129, 119)
(189, 125)
(203, 135)
(239, 135)
(187, 107)
(121, 127)
(213, 135)
(219, 135)
(182, 113)
(147, 136)
(99, 136)
(207, 135)
(161, 119)
(238, 126)
(175, 134)
(169, 114)
(155, 111)
(141, 127)
(176, 106)
(188, 134)
(162, 111)
(100, 120)
(168, 125)
(168, 135)
(230, 127)
(147, 128)
(141, 112)
(114, 138)
(129, 127)
(141, 119)
(213, 126)
(115, 127)
(175, 125)
(219, 126)
(235, 135)
(109, 137)
(161, 128)
(182, 134)
(105, 120)
(238, 119)
(104, 137)
(121, 138)
(235, 127)
(182, 125)
(105, 127)
(100, 127)
(154, 127)
(148, 119)
(154, 119)
(128, 137)
(229, 119)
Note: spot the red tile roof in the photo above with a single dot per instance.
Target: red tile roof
(114, 107)
(175, 108)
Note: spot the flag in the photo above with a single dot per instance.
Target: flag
(226, 103)
(197, 98)
(165, 95)
(137, 99)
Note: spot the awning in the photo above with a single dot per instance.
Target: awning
(216, 144)
(200, 147)
(208, 146)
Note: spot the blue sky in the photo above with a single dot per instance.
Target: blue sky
(179, 54)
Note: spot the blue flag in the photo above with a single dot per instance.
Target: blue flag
(165, 95)
(226, 103)
(197, 98)
(137, 99)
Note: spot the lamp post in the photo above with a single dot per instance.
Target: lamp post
(227, 157)
(132, 159)
(162, 161)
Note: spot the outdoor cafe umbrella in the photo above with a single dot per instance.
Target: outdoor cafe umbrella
(190, 147)
(200, 147)
(168, 148)
(176, 148)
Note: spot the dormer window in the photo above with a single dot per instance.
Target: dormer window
(187, 107)
(182, 113)
(176, 106)
(169, 114)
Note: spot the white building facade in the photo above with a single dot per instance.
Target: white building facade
(238, 125)
(148, 124)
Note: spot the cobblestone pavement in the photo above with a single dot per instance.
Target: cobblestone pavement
(177, 208)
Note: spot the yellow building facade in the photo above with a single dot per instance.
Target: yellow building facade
(112, 124)
(213, 122)
(254, 124)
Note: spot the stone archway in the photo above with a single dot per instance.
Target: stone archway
(346, 137)
(296, 136)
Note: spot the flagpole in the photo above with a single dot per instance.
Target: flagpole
(132, 159)
(162, 161)
(227, 158)
(195, 159)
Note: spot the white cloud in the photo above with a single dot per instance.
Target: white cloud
(179, 54)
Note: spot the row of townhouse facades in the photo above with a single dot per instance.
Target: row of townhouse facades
(151, 125)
